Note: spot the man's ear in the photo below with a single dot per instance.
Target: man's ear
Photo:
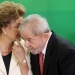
(45, 35)
(4, 30)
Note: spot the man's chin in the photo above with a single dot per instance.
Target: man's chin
(33, 52)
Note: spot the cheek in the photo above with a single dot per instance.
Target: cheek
(15, 33)
(35, 45)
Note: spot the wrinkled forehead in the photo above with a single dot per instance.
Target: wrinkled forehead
(25, 27)
(26, 34)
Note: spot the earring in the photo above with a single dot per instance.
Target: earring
(5, 33)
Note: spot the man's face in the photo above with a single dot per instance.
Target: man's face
(32, 42)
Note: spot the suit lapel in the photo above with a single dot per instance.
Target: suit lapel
(49, 51)
(35, 64)
(13, 63)
(35, 58)
(2, 66)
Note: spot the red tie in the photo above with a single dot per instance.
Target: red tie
(41, 62)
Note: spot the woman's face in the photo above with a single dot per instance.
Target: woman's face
(12, 32)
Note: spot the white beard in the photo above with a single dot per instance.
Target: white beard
(38, 49)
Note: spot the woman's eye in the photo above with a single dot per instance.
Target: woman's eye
(17, 27)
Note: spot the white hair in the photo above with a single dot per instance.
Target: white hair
(35, 23)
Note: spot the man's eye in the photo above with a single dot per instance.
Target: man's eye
(31, 40)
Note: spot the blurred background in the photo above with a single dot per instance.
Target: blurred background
(60, 15)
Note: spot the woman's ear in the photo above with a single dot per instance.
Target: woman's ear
(4, 30)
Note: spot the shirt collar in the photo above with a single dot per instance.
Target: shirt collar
(44, 50)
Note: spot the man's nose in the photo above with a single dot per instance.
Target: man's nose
(27, 44)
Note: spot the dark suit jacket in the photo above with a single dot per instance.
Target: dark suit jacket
(59, 58)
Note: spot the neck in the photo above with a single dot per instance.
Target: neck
(5, 46)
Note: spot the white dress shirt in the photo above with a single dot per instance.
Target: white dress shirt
(44, 50)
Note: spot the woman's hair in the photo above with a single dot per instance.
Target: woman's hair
(36, 24)
(10, 11)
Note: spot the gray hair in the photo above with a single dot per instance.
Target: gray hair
(35, 23)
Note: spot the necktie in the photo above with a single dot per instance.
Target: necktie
(41, 62)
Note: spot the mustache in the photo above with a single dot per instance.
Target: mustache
(30, 48)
